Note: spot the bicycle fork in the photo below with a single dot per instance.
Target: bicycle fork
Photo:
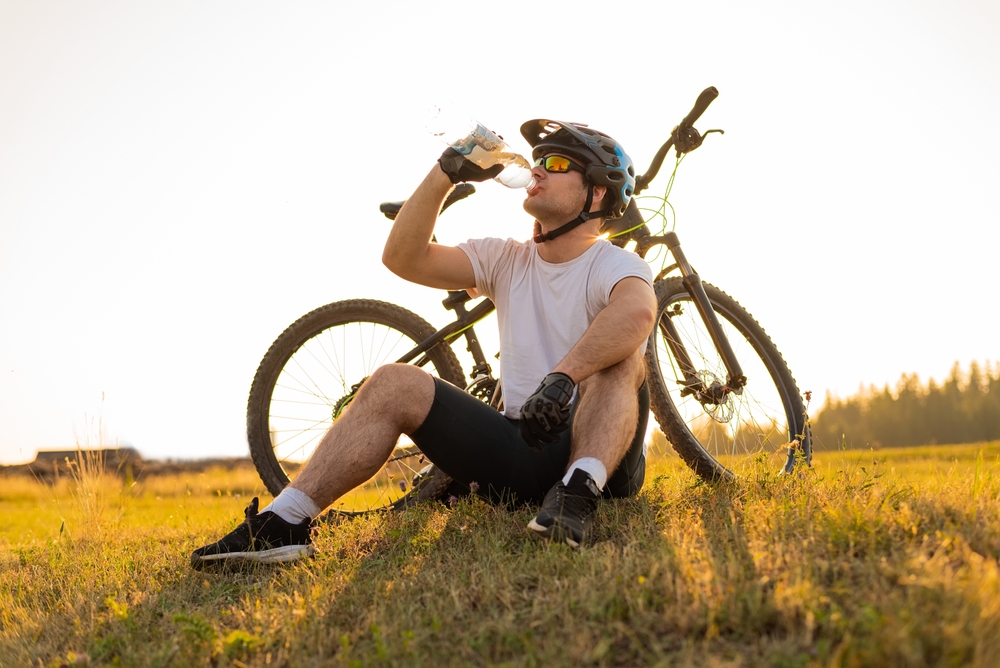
(715, 393)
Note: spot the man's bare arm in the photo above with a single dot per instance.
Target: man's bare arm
(615, 333)
(409, 252)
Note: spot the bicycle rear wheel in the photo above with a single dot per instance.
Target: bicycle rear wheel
(311, 373)
(719, 440)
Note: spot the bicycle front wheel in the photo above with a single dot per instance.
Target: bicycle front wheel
(310, 375)
(761, 421)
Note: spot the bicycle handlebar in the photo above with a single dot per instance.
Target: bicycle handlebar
(701, 104)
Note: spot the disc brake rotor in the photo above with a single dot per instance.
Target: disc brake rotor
(716, 400)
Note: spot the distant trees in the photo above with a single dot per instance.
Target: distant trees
(963, 409)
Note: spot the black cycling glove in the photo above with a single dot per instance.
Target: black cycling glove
(545, 414)
(459, 169)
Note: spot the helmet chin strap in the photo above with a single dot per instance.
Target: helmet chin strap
(584, 216)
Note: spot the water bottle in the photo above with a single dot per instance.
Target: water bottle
(480, 145)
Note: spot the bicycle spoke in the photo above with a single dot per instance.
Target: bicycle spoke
(319, 391)
(316, 426)
(302, 403)
(287, 457)
(293, 418)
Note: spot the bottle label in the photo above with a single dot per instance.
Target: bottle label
(481, 137)
(487, 139)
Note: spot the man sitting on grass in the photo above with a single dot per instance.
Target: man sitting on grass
(570, 305)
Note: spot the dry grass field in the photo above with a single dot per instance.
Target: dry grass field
(884, 558)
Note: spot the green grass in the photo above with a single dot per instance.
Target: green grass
(870, 558)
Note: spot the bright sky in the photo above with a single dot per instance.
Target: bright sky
(180, 181)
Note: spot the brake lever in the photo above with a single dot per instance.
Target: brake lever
(687, 138)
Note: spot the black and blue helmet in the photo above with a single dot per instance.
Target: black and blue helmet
(606, 162)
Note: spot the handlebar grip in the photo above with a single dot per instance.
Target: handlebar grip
(700, 105)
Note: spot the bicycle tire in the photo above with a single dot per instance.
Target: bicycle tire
(762, 421)
(310, 374)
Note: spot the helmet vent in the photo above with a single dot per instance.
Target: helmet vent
(549, 128)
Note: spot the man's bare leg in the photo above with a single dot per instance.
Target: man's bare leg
(608, 410)
(395, 400)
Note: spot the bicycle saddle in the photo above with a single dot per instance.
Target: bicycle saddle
(461, 191)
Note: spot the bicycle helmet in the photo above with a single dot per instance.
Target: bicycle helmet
(605, 161)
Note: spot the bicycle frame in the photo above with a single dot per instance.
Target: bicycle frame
(463, 325)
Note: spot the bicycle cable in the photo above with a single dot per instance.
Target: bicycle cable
(668, 218)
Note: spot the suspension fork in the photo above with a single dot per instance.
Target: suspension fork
(735, 380)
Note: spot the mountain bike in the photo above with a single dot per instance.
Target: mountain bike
(719, 389)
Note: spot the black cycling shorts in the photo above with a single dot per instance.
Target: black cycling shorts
(472, 442)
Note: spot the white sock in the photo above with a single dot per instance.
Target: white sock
(592, 466)
(293, 506)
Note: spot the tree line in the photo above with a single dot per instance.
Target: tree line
(965, 408)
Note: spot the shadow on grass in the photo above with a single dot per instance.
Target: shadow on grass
(470, 586)
(744, 609)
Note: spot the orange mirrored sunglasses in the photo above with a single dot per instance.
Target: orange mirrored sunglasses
(558, 164)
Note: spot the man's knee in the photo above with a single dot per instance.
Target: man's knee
(401, 389)
(396, 375)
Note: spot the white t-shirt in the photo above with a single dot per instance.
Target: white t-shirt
(543, 307)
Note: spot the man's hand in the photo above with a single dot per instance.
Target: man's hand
(545, 413)
(460, 170)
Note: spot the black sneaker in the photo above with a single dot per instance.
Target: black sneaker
(568, 510)
(263, 538)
